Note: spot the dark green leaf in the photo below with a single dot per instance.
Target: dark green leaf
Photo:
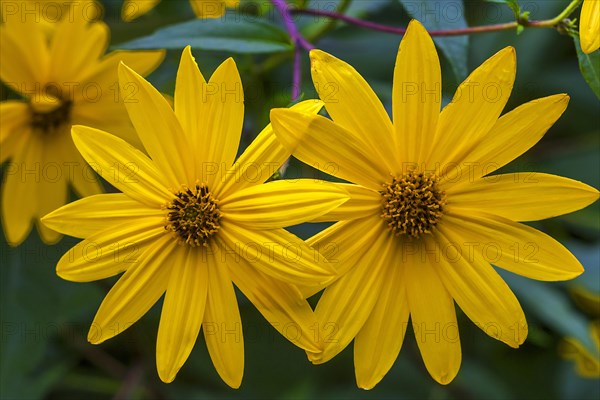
(234, 33)
(589, 65)
(444, 15)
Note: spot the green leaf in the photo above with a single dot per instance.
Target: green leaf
(233, 33)
(513, 4)
(589, 65)
(444, 15)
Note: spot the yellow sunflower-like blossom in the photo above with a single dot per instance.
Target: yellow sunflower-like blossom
(589, 26)
(190, 221)
(424, 221)
(64, 78)
(133, 9)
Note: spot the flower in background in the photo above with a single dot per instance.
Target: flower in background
(424, 221)
(587, 361)
(64, 78)
(190, 222)
(133, 9)
(589, 26)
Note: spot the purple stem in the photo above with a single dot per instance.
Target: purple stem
(299, 44)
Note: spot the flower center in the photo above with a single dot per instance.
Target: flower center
(193, 215)
(412, 204)
(51, 121)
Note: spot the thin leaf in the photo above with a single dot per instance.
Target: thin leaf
(589, 65)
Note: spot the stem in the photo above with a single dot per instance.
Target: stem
(331, 23)
(299, 44)
(550, 23)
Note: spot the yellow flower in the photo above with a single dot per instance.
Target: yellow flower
(190, 221)
(587, 363)
(133, 9)
(64, 79)
(423, 224)
(589, 26)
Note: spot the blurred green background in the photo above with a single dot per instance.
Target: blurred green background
(44, 354)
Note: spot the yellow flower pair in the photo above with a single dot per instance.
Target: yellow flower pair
(420, 222)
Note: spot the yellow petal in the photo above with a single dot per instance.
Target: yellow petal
(20, 193)
(191, 106)
(263, 157)
(24, 44)
(347, 303)
(417, 93)
(589, 26)
(158, 128)
(363, 202)
(378, 343)
(473, 111)
(221, 125)
(354, 106)
(478, 289)
(208, 8)
(14, 116)
(84, 180)
(280, 303)
(110, 251)
(512, 135)
(121, 164)
(432, 314)
(182, 312)
(282, 203)
(14, 145)
(342, 244)
(76, 46)
(133, 9)
(515, 247)
(222, 324)
(91, 215)
(326, 146)
(277, 253)
(525, 196)
(135, 292)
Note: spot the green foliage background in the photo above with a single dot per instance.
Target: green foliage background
(45, 320)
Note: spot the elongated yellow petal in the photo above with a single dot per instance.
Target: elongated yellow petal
(282, 203)
(124, 166)
(512, 135)
(347, 303)
(417, 93)
(208, 8)
(263, 157)
(515, 247)
(133, 9)
(517, 196)
(277, 253)
(221, 125)
(84, 180)
(158, 128)
(354, 106)
(589, 26)
(191, 106)
(326, 146)
(473, 111)
(135, 292)
(222, 324)
(20, 193)
(432, 314)
(111, 251)
(378, 343)
(25, 55)
(478, 290)
(280, 303)
(91, 215)
(341, 244)
(76, 44)
(182, 312)
(362, 203)
(14, 116)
